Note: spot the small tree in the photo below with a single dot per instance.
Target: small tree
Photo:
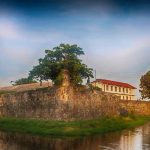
(38, 73)
(145, 85)
(23, 81)
(66, 57)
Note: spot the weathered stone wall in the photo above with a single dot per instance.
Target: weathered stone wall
(66, 103)
(63, 103)
(136, 107)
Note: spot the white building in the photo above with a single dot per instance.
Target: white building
(124, 90)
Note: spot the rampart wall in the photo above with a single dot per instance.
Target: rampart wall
(67, 103)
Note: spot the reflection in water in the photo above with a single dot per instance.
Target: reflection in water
(131, 141)
(137, 139)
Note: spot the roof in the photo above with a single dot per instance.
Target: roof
(110, 82)
(25, 87)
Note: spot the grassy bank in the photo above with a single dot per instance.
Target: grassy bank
(74, 128)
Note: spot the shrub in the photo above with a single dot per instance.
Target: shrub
(123, 112)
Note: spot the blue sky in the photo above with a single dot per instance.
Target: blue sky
(115, 35)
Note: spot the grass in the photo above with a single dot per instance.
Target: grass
(6, 92)
(70, 129)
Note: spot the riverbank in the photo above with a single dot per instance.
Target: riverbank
(70, 129)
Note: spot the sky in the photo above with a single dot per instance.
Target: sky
(114, 34)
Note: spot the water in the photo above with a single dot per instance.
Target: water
(136, 139)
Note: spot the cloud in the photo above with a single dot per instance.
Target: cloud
(127, 66)
(21, 48)
(117, 46)
(8, 30)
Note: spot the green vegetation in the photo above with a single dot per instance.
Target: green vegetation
(94, 87)
(23, 81)
(70, 129)
(6, 92)
(62, 57)
(145, 85)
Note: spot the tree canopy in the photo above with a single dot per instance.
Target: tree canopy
(66, 57)
(145, 85)
(23, 81)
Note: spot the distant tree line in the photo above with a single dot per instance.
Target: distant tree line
(23, 81)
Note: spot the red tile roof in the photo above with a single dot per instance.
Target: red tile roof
(110, 82)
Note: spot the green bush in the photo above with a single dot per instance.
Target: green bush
(94, 88)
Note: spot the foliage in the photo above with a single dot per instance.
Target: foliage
(73, 128)
(66, 57)
(23, 81)
(145, 85)
(94, 87)
(38, 73)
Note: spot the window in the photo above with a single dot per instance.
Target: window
(123, 89)
(111, 88)
(107, 88)
(127, 90)
(127, 97)
(123, 97)
(115, 89)
(119, 89)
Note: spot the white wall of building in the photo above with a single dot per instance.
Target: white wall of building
(124, 93)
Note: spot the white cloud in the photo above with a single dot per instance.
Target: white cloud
(116, 48)
(8, 29)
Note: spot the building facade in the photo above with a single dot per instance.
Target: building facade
(124, 90)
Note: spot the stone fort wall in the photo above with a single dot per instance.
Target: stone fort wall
(67, 103)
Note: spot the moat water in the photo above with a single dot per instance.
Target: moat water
(136, 139)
